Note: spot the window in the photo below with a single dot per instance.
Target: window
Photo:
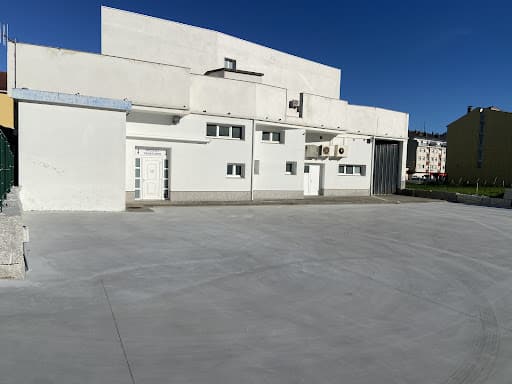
(137, 178)
(235, 170)
(225, 131)
(166, 179)
(211, 130)
(230, 64)
(291, 168)
(353, 170)
(306, 169)
(236, 132)
(272, 137)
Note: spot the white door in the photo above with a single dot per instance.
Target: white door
(311, 179)
(152, 178)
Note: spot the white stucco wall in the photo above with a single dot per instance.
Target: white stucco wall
(71, 158)
(128, 34)
(376, 122)
(65, 71)
(193, 166)
(273, 157)
(244, 99)
(359, 153)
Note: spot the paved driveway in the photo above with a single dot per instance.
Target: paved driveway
(410, 293)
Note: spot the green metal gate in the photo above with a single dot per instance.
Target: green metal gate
(6, 168)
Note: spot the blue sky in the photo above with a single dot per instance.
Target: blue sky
(428, 58)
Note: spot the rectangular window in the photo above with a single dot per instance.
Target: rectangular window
(291, 168)
(306, 169)
(211, 130)
(345, 169)
(137, 178)
(230, 64)
(236, 132)
(166, 178)
(225, 131)
(235, 170)
(272, 137)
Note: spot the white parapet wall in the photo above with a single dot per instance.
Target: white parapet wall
(71, 158)
(61, 70)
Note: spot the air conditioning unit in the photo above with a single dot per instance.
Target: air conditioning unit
(312, 151)
(325, 151)
(340, 151)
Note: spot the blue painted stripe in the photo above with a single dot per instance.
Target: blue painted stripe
(69, 99)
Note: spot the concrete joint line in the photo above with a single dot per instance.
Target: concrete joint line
(121, 343)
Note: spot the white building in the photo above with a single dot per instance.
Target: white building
(426, 155)
(172, 111)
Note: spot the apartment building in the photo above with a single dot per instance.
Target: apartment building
(170, 111)
(426, 155)
(480, 147)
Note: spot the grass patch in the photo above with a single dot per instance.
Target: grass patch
(491, 191)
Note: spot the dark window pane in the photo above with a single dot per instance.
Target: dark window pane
(350, 170)
(236, 132)
(137, 194)
(166, 194)
(166, 184)
(306, 169)
(357, 169)
(265, 136)
(166, 163)
(211, 130)
(289, 167)
(276, 136)
(137, 173)
(137, 162)
(239, 170)
(137, 183)
(230, 169)
(341, 169)
(223, 131)
(166, 173)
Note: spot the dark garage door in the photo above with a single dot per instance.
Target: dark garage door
(386, 167)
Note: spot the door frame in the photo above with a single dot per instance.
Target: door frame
(164, 154)
(320, 178)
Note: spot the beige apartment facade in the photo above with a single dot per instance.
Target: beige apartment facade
(480, 145)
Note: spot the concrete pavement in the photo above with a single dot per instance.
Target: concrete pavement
(387, 293)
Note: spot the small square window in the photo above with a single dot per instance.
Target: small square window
(291, 168)
(236, 132)
(211, 130)
(137, 194)
(265, 136)
(349, 169)
(137, 183)
(235, 170)
(223, 131)
(276, 136)
(230, 64)
(137, 162)
(357, 169)
(137, 173)
(341, 169)
(306, 169)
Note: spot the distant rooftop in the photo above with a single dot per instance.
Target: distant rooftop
(427, 135)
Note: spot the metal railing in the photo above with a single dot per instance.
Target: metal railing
(6, 168)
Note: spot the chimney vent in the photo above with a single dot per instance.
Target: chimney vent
(470, 108)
